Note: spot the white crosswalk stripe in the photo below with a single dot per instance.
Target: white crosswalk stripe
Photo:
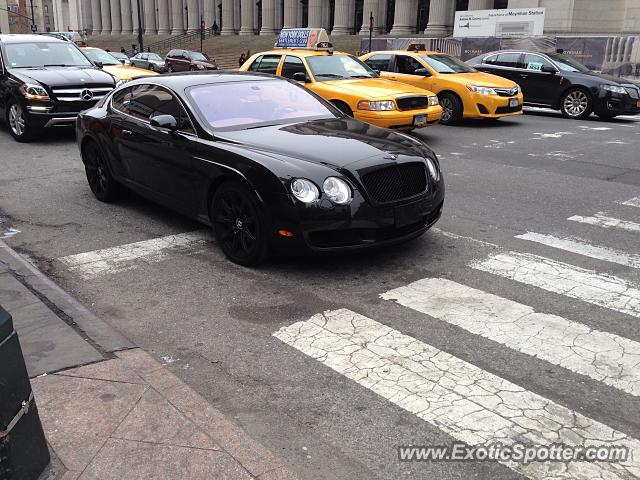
(605, 357)
(632, 202)
(464, 401)
(126, 257)
(587, 285)
(600, 219)
(581, 247)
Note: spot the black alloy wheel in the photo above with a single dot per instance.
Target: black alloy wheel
(239, 224)
(102, 184)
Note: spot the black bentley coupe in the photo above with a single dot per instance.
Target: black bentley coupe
(268, 164)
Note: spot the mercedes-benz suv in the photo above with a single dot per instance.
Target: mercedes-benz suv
(44, 82)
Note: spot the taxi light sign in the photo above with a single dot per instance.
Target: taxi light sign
(308, 38)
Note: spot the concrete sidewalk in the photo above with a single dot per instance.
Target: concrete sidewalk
(109, 410)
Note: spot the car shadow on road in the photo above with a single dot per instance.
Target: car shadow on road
(591, 118)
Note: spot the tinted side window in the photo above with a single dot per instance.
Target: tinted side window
(511, 60)
(121, 100)
(149, 100)
(490, 60)
(171, 54)
(407, 64)
(379, 62)
(535, 62)
(266, 64)
(291, 66)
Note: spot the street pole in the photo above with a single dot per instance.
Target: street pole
(201, 31)
(33, 17)
(140, 39)
(370, 29)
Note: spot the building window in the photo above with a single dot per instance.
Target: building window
(46, 9)
(46, 20)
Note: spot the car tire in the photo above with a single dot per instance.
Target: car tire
(192, 68)
(18, 122)
(169, 69)
(343, 107)
(451, 108)
(151, 67)
(576, 103)
(102, 184)
(239, 224)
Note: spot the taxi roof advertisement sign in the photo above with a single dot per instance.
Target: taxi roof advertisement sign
(314, 38)
(506, 22)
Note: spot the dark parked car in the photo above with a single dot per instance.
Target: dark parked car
(44, 82)
(269, 164)
(557, 81)
(150, 61)
(184, 60)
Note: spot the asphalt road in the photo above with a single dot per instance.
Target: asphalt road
(460, 355)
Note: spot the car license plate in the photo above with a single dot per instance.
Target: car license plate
(408, 214)
(419, 120)
(513, 102)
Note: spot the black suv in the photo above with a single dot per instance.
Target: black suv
(557, 81)
(45, 82)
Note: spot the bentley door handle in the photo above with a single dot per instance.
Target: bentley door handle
(128, 133)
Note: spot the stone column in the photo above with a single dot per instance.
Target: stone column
(315, 14)
(227, 18)
(404, 18)
(268, 17)
(96, 18)
(116, 18)
(341, 25)
(236, 16)
(246, 16)
(326, 14)
(381, 21)
(620, 52)
(127, 21)
(163, 17)
(369, 6)
(480, 4)
(193, 20)
(105, 13)
(291, 13)
(209, 13)
(176, 18)
(441, 17)
(149, 17)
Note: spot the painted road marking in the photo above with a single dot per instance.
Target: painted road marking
(632, 202)
(464, 401)
(602, 356)
(117, 259)
(581, 247)
(600, 219)
(589, 286)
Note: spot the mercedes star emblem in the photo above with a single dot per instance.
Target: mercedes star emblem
(86, 94)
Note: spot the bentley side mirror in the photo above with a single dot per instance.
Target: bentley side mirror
(548, 69)
(167, 122)
(301, 77)
(422, 71)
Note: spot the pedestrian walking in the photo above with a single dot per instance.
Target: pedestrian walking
(241, 60)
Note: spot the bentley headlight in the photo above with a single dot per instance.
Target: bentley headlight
(304, 190)
(481, 90)
(433, 100)
(34, 92)
(337, 190)
(613, 88)
(433, 169)
(376, 105)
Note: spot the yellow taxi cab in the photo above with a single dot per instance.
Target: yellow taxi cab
(464, 92)
(111, 65)
(306, 55)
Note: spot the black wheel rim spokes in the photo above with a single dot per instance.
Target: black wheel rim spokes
(236, 224)
(96, 172)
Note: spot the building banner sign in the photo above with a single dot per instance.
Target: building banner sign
(506, 22)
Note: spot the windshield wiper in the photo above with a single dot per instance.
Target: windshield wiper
(361, 76)
(330, 75)
(262, 125)
(61, 65)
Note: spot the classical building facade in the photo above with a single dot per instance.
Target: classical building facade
(340, 17)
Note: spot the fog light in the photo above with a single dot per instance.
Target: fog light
(285, 233)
